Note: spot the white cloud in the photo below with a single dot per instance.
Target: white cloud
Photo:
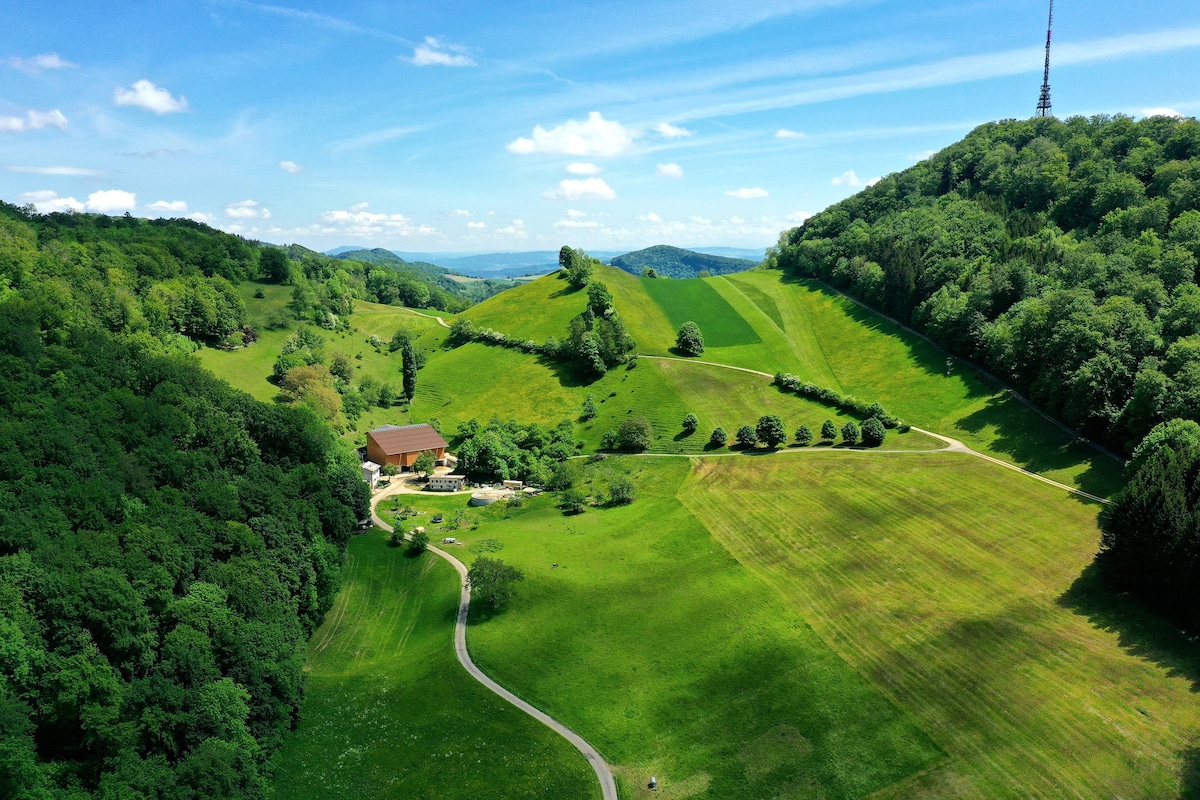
(33, 121)
(517, 230)
(799, 216)
(577, 223)
(747, 194)
(651, 217)
(923, 156)
(145, 94)
(737, 221)
(669, 131)
(200, 216)
(47, 201)
(850, 178)
(358, 221)
(39, 62)
(595, 136)
(784, 133)
(247, 209)
(701, 220)
(290, 167)
(583, 168)
(668, 171)
(460, 212)
(111, 201)
(74, 172)
(477, 225)
(436, 52)
(172, 206)
(575, 213)
(1160, 112)
(585, 189)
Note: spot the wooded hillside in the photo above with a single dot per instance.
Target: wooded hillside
(166, 544)
(1060, 254)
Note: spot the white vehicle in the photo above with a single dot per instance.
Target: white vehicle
(449, 540)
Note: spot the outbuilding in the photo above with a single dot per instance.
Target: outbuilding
(401, 444)
(515, 486)
(370, 472)
(446, 483)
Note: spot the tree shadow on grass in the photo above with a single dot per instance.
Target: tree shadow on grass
(1140, 632)
(925, 354)
(1040, 446)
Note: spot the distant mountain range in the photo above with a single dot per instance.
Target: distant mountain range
(538, 262)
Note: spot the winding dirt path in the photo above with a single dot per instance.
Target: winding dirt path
(608, 786)
(952, 445)
(440, 321)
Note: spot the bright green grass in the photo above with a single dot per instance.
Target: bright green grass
(830, 341)
(955, 587)
(695, 300)
(664, 392)
(535, 310)
(389, 713)
(674, 660)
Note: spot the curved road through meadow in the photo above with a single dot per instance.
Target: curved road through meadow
(608, 786)
(953, 445)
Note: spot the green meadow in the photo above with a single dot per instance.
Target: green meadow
(389, 713)
(694, 299)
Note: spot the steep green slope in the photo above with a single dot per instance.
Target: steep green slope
(675, 262)
(1060, 254)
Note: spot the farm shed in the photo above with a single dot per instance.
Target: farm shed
(401, 444)
(446, 483)
(370, 472)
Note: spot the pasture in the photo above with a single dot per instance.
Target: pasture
(389, 713)
(694, 299)
(964, 593)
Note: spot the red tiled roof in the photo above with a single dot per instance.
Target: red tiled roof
(394, 440)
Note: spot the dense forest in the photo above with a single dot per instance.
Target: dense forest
(674, 262)
(166, 544)
(1060, 254)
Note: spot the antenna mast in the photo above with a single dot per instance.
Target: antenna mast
(1043, 106)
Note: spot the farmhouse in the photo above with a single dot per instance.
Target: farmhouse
(446, 483)
(401, 444)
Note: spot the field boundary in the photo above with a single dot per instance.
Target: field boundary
(952, 445)
(608, 785)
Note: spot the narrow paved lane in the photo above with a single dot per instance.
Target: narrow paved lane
(608, 786)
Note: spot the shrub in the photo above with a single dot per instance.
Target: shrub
(746, 436)
(850, 433)
(690, 423)
(718, 438)
(804, 436)
(573, 501)
(589, 408)
(689, 340)
(873, 432)
(620, 491)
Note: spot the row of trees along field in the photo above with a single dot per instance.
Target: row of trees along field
(167, 544)
(1060, 254)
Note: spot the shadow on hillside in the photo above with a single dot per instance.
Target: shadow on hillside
(1140, 632)
(566, 290)
(926, 355)
(1027, 439)
(567, 373)
(1189, 774)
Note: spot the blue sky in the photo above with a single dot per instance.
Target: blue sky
(472, 126)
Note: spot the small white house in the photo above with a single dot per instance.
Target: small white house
(446, 483)
(370, 472)
(515, 486)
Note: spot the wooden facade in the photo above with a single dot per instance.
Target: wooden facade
(401, 444)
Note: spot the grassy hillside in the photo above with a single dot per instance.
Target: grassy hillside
(420, 727)
(956, 588)
(675, 262)
(654, 643)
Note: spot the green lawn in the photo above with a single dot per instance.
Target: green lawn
(963, 592)
(535, 310)
(673, 659)
(694, 299)
(389, 713)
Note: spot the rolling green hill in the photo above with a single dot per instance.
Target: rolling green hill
(471, 291)
(675, 262)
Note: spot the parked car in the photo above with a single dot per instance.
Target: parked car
(436, 519)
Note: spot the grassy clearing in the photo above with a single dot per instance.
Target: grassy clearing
(955, 587)
(389, 713)
(669, 656)
(535, 310)
(694, 299)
